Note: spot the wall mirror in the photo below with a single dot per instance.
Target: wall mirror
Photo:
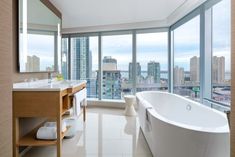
(38, 37)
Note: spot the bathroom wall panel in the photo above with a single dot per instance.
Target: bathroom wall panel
(233, 82)
(5, 78)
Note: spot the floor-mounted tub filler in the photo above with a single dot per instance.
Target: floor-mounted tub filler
(178, 127)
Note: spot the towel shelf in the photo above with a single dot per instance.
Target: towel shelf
(41, 104)
(30, 139)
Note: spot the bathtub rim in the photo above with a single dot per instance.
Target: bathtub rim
(223, 129)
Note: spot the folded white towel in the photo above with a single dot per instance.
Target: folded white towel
(47, 133)
(53, 124)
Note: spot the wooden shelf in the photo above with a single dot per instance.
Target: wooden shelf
(64, 111)
(30, 139)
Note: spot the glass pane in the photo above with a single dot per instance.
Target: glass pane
(221, 61)
(152, 62)
(39, 43)
(84, 62)
(64, 56)
(186, 59)
(39, 57)
(117, 55)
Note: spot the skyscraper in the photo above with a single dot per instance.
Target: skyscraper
(111, 79)
(178, 76)
(81, 58)
(81, 61)
(109, 63)
(33, 64)
(154, 71)
(138, 70)
(218, 69)
(194, 69)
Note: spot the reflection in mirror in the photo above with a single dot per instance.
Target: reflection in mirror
(39, 37)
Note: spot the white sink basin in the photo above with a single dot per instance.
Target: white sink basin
(43, 85)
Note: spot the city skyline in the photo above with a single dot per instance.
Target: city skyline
(32, 64)
(217, 73)
(115, 83)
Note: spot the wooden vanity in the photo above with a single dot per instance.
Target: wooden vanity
(42, 100)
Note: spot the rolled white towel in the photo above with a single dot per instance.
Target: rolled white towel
(47, 133)
(53, 124)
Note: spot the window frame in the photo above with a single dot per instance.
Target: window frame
(203, 47)
(205, 58)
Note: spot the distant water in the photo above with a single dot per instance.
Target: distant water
(125, 74)
(164, 74)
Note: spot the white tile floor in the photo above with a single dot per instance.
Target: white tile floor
(106, 133)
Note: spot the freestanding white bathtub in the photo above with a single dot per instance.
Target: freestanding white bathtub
(178, 127)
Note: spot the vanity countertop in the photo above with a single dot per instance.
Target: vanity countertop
(43, 85)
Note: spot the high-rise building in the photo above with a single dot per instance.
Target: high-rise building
(111, 79)
(138, 70)
(81, 58)
(154, 71)
(194, 69)
(178, 76)
(109, 63)
(33, 64)
(218, 69)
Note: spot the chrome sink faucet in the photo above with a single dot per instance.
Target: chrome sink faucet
(49, 77)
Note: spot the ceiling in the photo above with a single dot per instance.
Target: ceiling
(90, 13)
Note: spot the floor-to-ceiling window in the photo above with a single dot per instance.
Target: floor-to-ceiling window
(218, 50)
(84, 61)
(152, 61)
(138, 60)
(186, 72)
(221, 53)
(116, 60)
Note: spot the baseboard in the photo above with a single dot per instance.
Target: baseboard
(106, 103)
